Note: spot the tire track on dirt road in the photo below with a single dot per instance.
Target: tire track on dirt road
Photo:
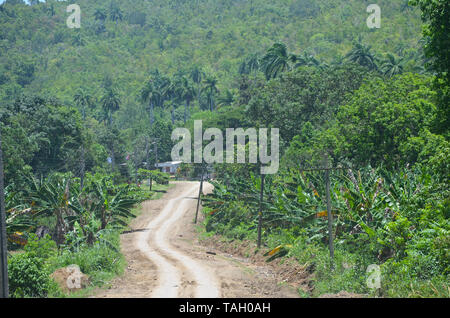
(154, 244)
(166, 258)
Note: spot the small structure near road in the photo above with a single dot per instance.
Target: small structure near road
(170, 167)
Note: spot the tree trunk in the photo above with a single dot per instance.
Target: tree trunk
(83, 166)
(185, 111)
(152, 114)
(189, 109)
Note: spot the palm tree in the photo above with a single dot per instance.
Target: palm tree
(392, 66)
(115, 14)
(186, 92)
(100, 14)
(78, 39)
(253, 63)
(249, 65)
(210, 88)
(83, 99)
(226, 99)
(110, 104)
(197, 76)
(304, 60)
(150, 95)
(170, 105)
(362, 55)
(275, 61)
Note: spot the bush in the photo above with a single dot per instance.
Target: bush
(29, 272)
(100, 261)
(28, 276)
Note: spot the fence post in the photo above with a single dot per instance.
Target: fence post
(199, 195)
(330, 215)
(260, 210)
(4, 290)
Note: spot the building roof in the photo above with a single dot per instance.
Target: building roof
(169, 163)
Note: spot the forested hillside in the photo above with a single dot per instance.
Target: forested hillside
(86, 112)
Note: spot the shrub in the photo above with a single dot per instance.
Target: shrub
(28, 276)
(29, 272)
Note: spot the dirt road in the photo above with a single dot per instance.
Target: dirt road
(165, 259)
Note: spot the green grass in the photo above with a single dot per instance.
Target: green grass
(100, 262)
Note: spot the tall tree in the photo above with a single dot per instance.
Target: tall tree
(115, 14)
(362, 55)
(100, 14)
(210, 87)
(436, 15)
(197, 76)
(186, 93)
(276, 61)
(82, 99)
(391, 65)
(110, 103)
(150, 95)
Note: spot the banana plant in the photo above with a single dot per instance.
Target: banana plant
(18, 218)
(111, 205)
(51, 197)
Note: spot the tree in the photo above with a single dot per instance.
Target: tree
(249, 65)
(436, 16)
(186, 92)
(197, 76)
(306, 94)
(226, 99)
(377, 124)
(115, 14)
(362, 55)
(304, 60)
(391, 65)
(83, 99)
(275, 61)
(210, 87)
(100, 14)
(110, 103)
(150, 95)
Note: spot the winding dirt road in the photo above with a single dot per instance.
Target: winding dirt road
(165, 259)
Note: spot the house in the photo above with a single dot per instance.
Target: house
(169, 167)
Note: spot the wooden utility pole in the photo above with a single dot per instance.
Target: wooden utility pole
(83, 160)
(200, 191)
(147, 152)
(156, 152)
(4, 289)
(261, 197)
(329, 213)
(328, 197)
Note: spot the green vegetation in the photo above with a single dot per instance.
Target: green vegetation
(84, 227)
(85, 113)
